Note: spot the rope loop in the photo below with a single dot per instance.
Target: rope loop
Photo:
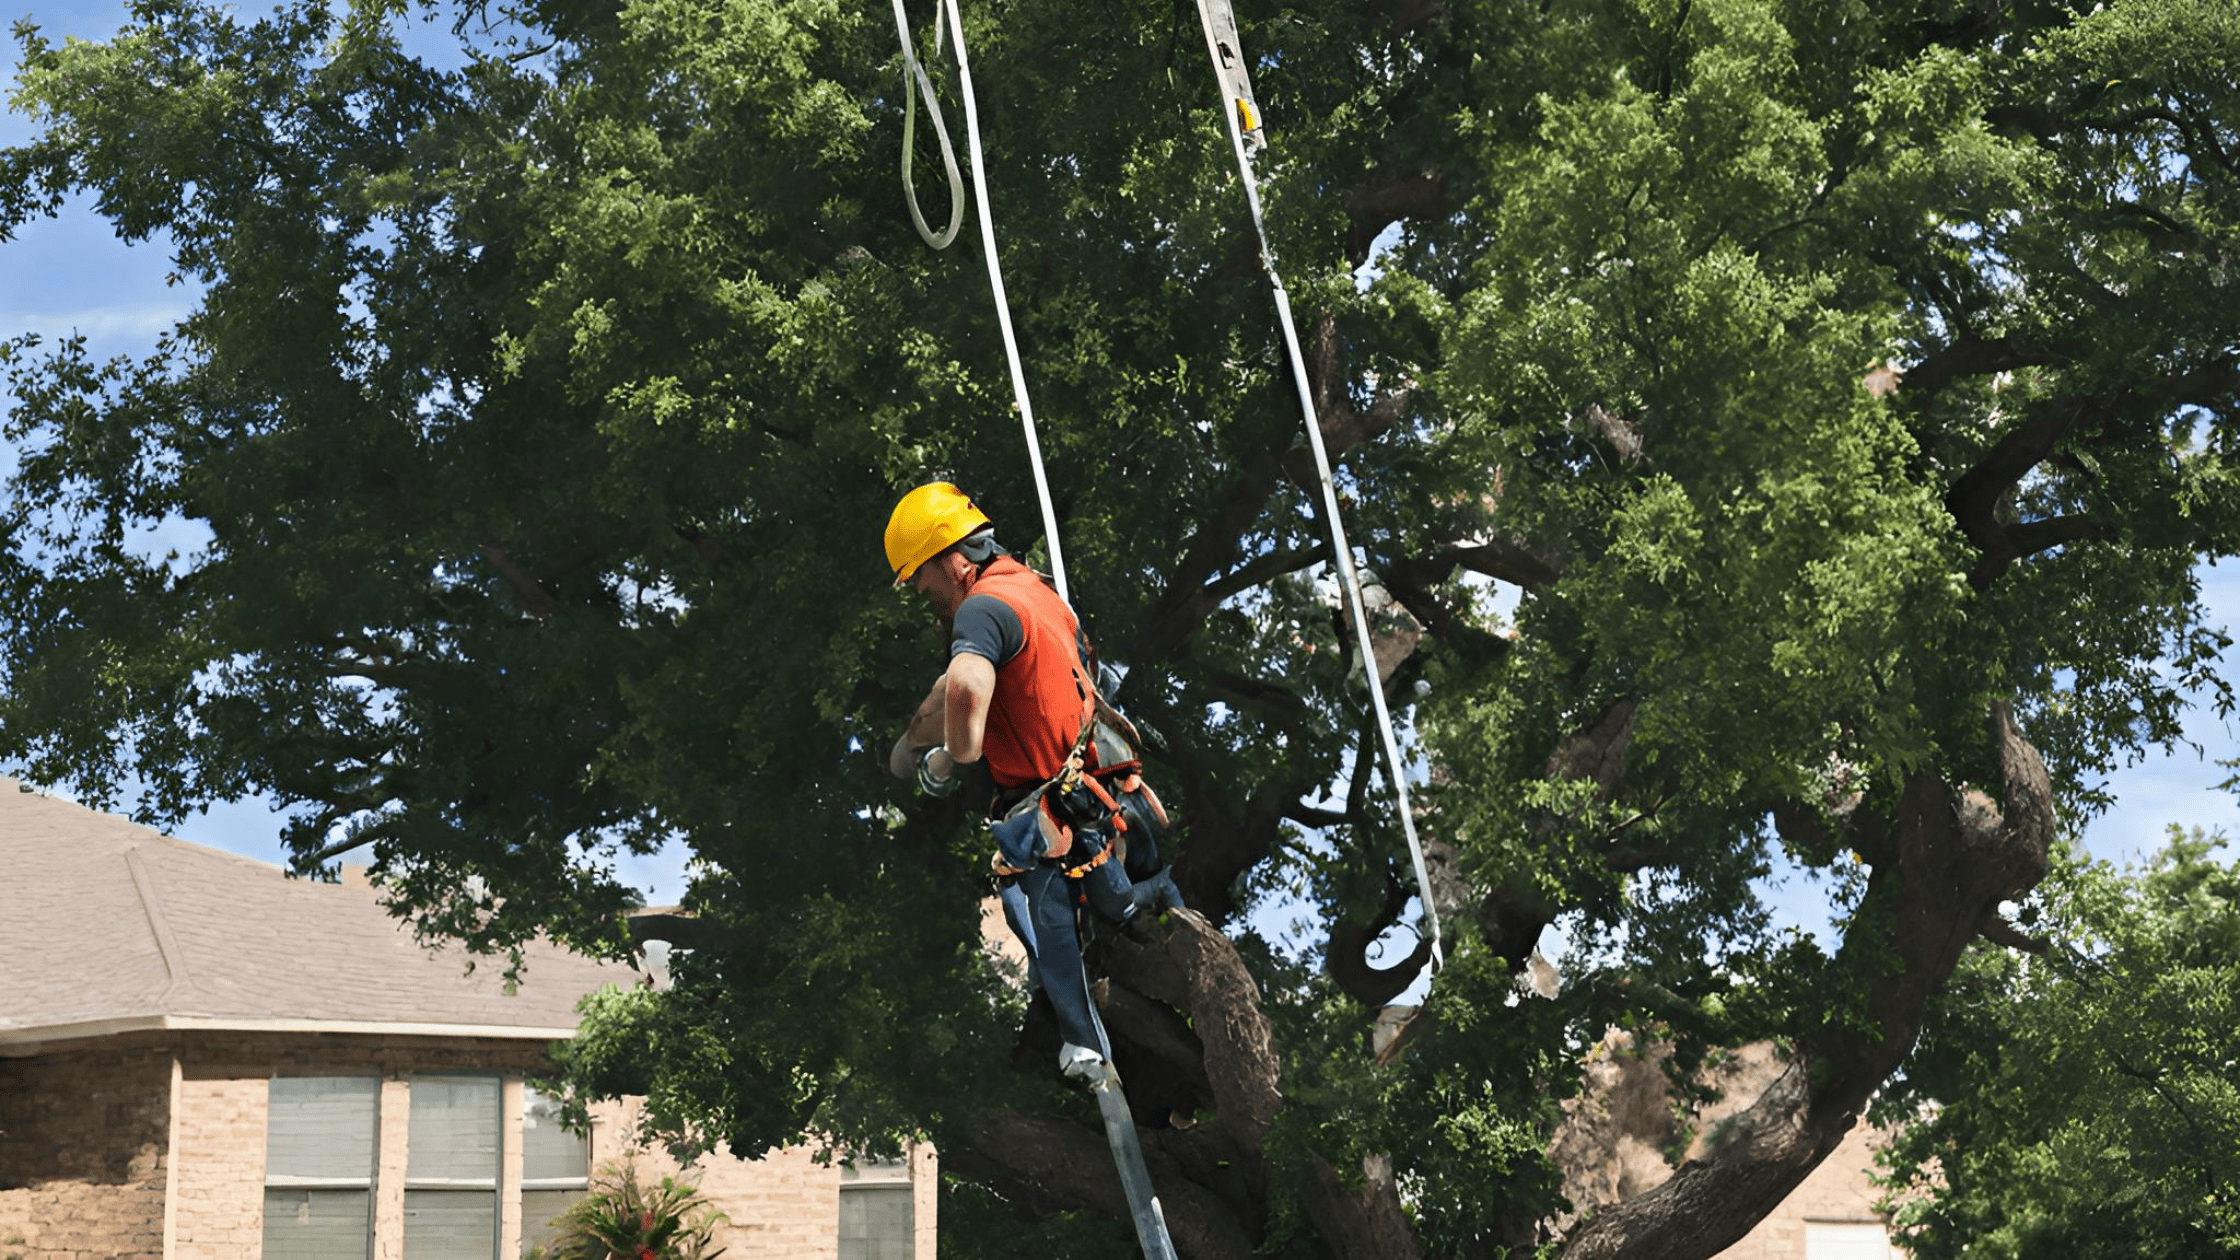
(912, 70)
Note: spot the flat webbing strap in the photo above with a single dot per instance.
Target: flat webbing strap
(914, 76)
(1241, 112)
(987, 248)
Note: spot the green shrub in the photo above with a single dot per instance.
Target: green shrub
(623, 1219)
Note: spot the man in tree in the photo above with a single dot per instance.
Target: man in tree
(1017, 693)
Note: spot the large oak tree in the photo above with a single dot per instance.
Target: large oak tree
(1849, 390)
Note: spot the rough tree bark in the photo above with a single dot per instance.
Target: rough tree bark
(1212, 1176)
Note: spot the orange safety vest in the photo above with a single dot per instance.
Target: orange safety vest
(1043, 694)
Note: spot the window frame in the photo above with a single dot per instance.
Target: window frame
(580, 1185)
(370, 1184)
(884, 1177)
(495, 1186)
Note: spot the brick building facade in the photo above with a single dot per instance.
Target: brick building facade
(203, 1060)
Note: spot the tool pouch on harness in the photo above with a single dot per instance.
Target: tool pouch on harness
(1028, 832)
(1146, 821)
(1077, 805)
(1132, 803)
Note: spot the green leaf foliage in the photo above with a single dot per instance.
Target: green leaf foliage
(2086, 1102)
(1809, 375)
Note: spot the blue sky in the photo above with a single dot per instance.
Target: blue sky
(72, 274)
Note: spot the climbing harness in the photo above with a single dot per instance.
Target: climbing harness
(1246, 138)
(987, 246)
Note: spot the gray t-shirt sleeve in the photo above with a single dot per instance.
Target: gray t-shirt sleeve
(986, 626)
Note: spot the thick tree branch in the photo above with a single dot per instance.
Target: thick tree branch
(1597, 751)
(2031, 537)
(2212, 385)
(1185, 962)
(1258, 570)
(1958, 856)
(1228, 834)
(1507, 560)
(1364, 1224)
(1273, 702)
(1346, 958)
(2047, 123)
(1404, 578)
(1512, 915)
(1179, 608)
(1502, 559)
(1971, 355)
(1312, 816)
(1343, 428)
(535, 600)
(1183, 1010)
(1156, 1046)
(1390, 197)
(1045, 1166)
(1974, 499)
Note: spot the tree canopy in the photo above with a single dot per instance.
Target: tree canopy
(2085, 1102)
(1848, 392)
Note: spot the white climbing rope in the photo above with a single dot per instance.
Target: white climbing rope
(1237, 108)
(914, 76)
(987, 246)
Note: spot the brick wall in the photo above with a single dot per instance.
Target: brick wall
(218, 1196)
(219, 1209)
(83, 1152)
(783, 1206)
(93, 1135)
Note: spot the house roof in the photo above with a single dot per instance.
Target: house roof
(107, 926)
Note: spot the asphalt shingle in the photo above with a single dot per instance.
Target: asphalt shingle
(105, 920)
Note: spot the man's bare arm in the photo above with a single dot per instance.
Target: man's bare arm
(951, 720)
(971, 684)
(926, 729)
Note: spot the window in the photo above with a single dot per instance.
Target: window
(451, 1169)
(877, 1218)
(1823, 1241)
(318, 1167)
(555, 1168)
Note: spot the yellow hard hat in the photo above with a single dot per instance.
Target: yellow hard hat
(928, 521)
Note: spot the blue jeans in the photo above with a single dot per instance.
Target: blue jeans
(1040, 906)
